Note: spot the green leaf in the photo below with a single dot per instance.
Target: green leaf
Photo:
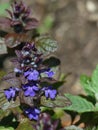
(46, 25)
(4, 113)
(6, 128)
(79, 104)
(90, 85)
(58, 102)
(46, 45)
(87, 85)
(25, 124)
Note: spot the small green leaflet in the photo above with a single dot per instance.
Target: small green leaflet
(90, 84)
(87, 85)
(58, 102)
(46, 45)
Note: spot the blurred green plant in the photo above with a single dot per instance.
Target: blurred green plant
(4, 6)
(46, 25)
(92, 128)
(6, 128)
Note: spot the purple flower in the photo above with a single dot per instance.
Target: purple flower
(49, 73)
(32, 75)
(49, 92)
(30, 90)
(32, 113)
(11, 92)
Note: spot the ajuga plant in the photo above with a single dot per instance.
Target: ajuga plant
(31, 82)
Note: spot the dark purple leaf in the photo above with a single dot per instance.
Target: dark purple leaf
(5, 22)
(32, 23)
(18, 22)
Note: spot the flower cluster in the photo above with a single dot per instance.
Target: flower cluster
(29, 66)
(35, 78)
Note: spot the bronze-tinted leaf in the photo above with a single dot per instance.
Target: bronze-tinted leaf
(46, 45)
(59, 102)
(15, 62)
(12, 79)
(5, 22)
(12, 40)
(31, 24)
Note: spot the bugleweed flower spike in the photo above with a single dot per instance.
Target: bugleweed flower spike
(32, 82)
